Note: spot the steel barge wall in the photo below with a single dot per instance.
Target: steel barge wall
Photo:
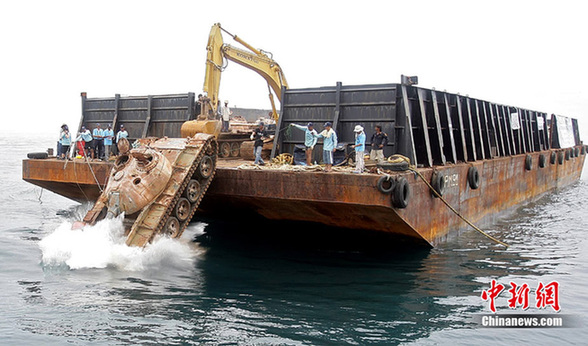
(430, 127)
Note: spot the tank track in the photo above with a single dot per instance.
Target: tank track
(143, 230)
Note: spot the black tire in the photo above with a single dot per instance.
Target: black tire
(401, 194)
(385, 184)
(224, 149)
(41, 156)
(192, 191)
(182, 209)
(473, 178)
(560, 157)
(553, 158)
(542, 161)
(568, 154)
(205, 167)
(438, 183)
(528, 162)
(576, 152)
(172, 227)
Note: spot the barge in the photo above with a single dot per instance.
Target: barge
(483, 158)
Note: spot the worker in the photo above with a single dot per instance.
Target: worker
(198, 106)
(98, 135)
(108, 136)
(59, 150)
(359, 148)
(226, 116)
(329, 145)
(379, 141)
(122, 133)
(259, 134)
(65, 142)
(85, 141)
(310, 138)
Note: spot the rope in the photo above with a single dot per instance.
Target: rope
(411, 168)
(94, 175)
(78, 184)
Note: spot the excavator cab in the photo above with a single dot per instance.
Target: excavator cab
(205, 123)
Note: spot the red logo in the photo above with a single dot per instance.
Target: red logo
(545, 295)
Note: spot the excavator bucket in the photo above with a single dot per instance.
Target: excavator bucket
(211, 127)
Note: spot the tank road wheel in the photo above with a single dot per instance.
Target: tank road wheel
(192, 191)
(235, 149)
(172, 227)
(542, 161)
(183, 209)
(473, 178)
(224, 149)
(205, 168)
(401, 193)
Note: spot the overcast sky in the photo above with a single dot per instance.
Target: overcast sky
(530, 54)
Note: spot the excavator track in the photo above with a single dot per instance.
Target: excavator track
(173, 165)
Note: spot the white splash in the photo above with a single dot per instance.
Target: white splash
(103, 245)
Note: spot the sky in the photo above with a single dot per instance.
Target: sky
(530, 54)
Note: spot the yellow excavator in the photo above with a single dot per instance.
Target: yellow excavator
(218, 53)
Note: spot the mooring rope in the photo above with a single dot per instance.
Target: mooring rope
(400, 158)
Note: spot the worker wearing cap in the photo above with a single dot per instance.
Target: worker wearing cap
(226, 116)
(122, 133)
(310, 138)
(359, 148)
(98, 135)
(85, 139)
(108, 136)
(329, 145)
(64, 142)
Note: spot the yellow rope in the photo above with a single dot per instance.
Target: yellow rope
(399, 158)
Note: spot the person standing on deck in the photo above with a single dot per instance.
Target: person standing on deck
(359, 148)
(65, 142)
(226, 116)
(379, 141)
(310, 138)
(108, 136)
(122, 133)
(329, 145)
(98, 135)
(59, 150)
(259, 134)
(85, 139)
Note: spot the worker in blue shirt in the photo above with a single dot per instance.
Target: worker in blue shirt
(329, 145)
(98, 135)
(85, 138)
(310, 138)
(359, 148)
(65, 141)
(108, 136)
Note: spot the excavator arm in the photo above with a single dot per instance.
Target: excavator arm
(253, 59)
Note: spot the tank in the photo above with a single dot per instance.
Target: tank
(158, 185)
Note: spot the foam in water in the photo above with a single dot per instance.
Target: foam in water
(103, 245)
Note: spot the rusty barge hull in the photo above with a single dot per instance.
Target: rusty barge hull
(351, 201)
